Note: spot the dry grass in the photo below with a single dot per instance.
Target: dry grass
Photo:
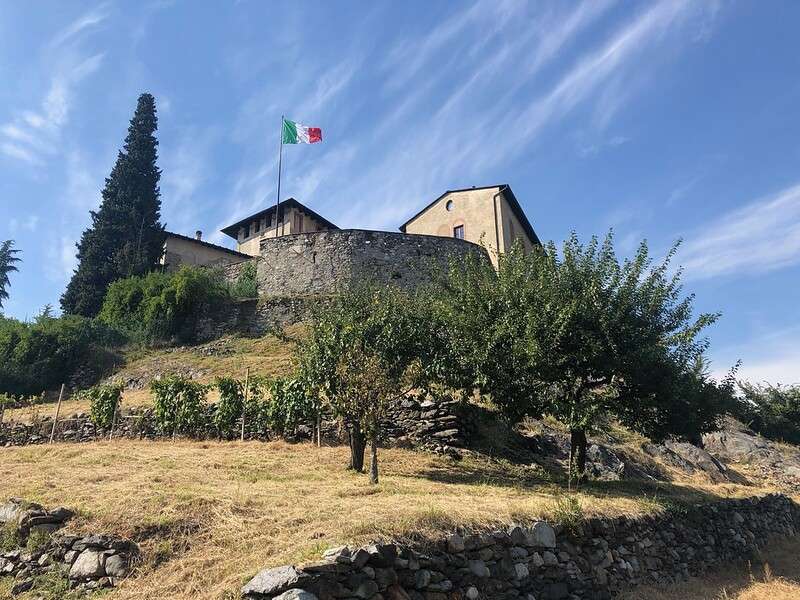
(209, 515)
(773, 574)
(265, 356)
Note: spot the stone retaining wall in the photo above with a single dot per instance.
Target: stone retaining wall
(593, 561)
(86, 562)
(420, 422)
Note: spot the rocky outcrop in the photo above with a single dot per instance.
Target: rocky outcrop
(84, 562)
(593, 561)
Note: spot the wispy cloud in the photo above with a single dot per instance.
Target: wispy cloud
(762, 236)
(32, 136)
(772, 357)
(86, 21)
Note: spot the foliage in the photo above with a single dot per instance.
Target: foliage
(161, 306)
(125, 237)
(49, 351)
(246, 285)
(290, 404)
(578, 334)
(228, 414)
(771, 410)
(9, 537)
(104, 403)
(568, 512)
(367, 347)
(7, 266)
(180, 404)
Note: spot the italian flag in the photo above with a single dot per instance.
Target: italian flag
(295, 133)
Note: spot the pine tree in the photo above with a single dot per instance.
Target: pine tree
(7, 260)
(126, 236)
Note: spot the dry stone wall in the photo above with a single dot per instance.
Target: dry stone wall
(84, 562)
(541, 562)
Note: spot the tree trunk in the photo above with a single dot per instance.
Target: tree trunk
(357, 448)
(373, 467)
(577, 453)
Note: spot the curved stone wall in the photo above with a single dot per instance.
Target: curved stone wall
(322, 262)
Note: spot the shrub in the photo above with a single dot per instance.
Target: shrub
(180, 404)
(246, 285)
(163, 306)
(228, 414)
(104, 402)
(49, 351)
(291, 403)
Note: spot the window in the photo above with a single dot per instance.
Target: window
(458, 232)
(257, 225)
(449, 205)
(269, 221)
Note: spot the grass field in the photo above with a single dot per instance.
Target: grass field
(209, 515)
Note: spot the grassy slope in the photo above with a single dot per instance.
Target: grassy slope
(209, 515)
(266, 356)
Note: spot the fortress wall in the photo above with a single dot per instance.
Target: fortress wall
(321, 263)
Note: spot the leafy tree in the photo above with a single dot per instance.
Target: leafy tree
(580, 335)
(7, 266)
(365, 349)
(104, 401)
(228, 413)
(246, 285)
(126, 237)
(771, 410)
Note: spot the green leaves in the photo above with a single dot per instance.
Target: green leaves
(8, 259)
(104, 403)
(180, 404)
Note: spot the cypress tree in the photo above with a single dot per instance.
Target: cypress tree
(126, 236)
(7, 260)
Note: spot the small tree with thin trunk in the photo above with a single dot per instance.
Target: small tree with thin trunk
(363, 353)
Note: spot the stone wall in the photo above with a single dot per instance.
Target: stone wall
(86, 562)
(420, 422)
(327, 261)
(593, 561)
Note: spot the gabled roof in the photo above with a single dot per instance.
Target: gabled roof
(206, 244)
(507, 193)
(233, 230)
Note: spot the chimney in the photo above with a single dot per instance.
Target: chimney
(198, 235)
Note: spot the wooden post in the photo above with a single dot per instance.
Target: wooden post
(319, 428)
(244, 402)
(113, 419)
(58, 410)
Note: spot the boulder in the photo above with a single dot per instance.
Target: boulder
(116, 566)
(274, 581)
(541, 535)
(89, 565)
(700, 459)
(295, 594)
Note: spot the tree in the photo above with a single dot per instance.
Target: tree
(365, 350)
(125, 237)
(771, 410)
(580, 335)
(7, 266)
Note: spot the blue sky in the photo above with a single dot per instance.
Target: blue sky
(662, 119)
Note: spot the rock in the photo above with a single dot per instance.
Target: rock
(549, 559)
(295, 594)
(422, 578)
(395, 592)
(521, 571)
(367, 589)
(116, 566)
(22, 586)
(700, 459)
(472, 593)
(89, 565)
(274, 581)
(455, 543)
(478, 568)
(541, 535)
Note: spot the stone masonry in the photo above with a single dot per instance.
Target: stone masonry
(593, 560)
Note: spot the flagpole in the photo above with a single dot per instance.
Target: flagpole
(280, 161)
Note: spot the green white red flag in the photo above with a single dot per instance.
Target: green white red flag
(296, 133)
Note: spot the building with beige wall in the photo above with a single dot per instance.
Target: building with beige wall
(183, 250)
(293, 217)
(490, 215)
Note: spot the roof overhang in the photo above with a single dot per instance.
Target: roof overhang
(233, 230)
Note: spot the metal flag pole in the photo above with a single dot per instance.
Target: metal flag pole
(280, 161)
